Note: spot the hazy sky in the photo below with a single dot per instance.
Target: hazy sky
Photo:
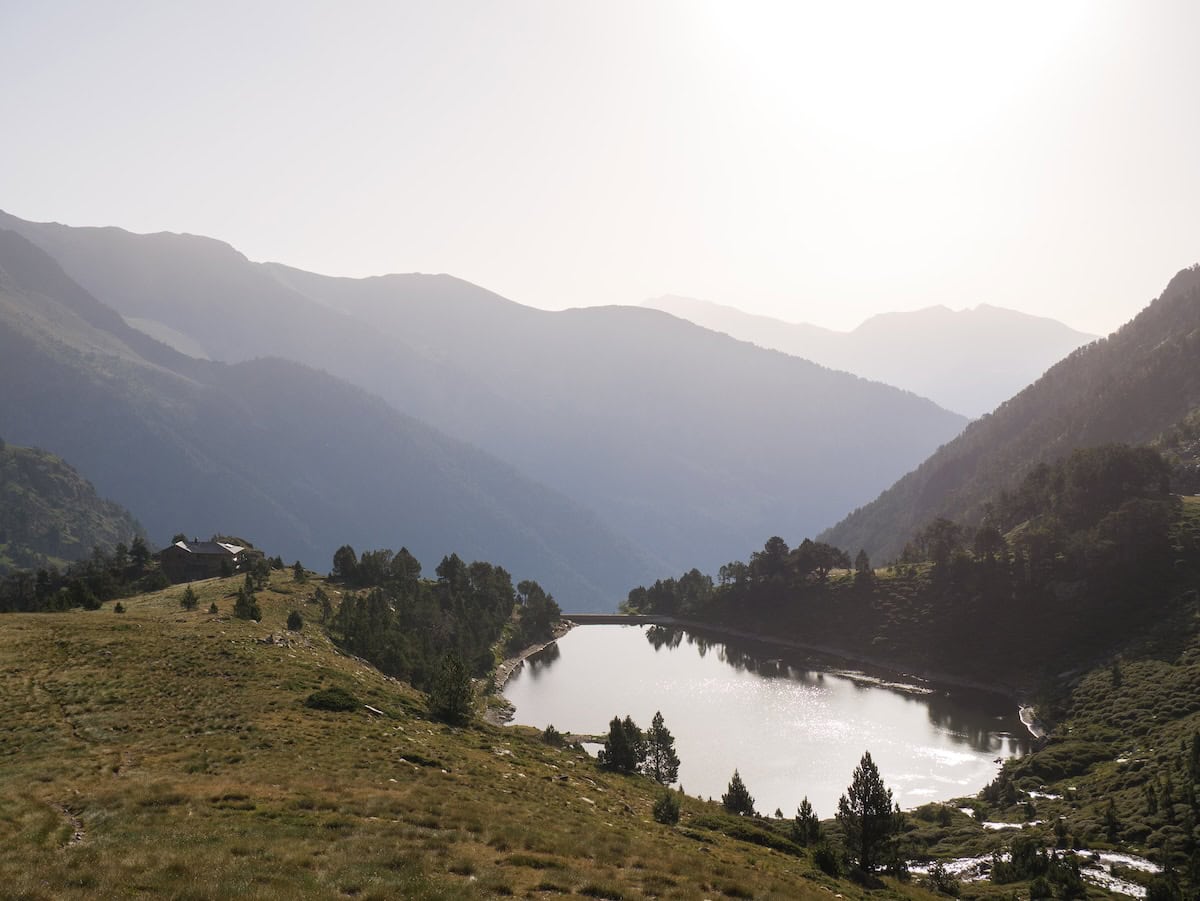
(815, 162)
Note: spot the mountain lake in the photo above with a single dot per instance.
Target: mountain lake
(792, 724)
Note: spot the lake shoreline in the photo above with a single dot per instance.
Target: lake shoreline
(735, 705)
(510, 666)
(1025, 710)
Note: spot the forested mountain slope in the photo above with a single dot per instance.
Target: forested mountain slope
(1130, 387)
(50, 514)
(688, 443)
(292, 458)
(967, 360)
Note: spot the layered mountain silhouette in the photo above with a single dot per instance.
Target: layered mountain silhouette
(1132, 387)
(968, 360)
(293, 458)
(686, 442)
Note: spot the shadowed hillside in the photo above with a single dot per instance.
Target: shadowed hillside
(50, 514)
(295, 459)
(687, 443)
(1130, 388)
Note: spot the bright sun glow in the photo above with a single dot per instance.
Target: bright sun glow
(885, 75)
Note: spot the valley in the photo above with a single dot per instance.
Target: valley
(384, 515)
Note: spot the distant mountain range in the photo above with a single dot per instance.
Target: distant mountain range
(969, 361)
(687, 444)
(294, 459)
(1139, 385)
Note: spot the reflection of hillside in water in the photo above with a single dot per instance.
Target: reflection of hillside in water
(989, 734)
(539, 663)
(980, 720)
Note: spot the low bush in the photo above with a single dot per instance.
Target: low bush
(666, 808)
(332, 699)
(827, 860)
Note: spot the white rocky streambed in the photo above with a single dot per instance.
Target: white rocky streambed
(1095, 867)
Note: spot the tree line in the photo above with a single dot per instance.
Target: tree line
(1060, 563)
(103, 576)
(408, 626)
(867, 816)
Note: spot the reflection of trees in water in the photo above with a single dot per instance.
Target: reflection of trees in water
(664, 637)
(671, 637)
(956, 717)
(965, 717)
(543, 659)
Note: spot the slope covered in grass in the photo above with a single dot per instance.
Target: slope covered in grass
(170, 752)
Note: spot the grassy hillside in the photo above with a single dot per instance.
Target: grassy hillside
(50, 514)
(168, 752)
(1130, 387)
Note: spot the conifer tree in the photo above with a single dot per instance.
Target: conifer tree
(806, 830)
(662, 763)
(189, 601)
(862, 567)
(737, 799)
(450, 697)
(246, 607)
(866, 814)
(624, 749)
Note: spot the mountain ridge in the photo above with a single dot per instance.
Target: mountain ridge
(966, 360)
(293, 458)
(1128, 388)
(686, 442)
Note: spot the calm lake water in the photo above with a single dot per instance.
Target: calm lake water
(791, 725)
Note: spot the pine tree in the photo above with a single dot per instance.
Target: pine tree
(189, 601)
(246, 607)
(737, 799)
(865, 813)
(624, 748)
(862, 567)
(450, 697)
(140, 554)
(298, 573)
(806, 830)
(662, 763)
(322, 599)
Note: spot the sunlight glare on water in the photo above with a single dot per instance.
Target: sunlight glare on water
(791, 727)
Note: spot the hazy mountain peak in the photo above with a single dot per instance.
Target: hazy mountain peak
(1128, 388)
(671, 432)
(967, 360)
